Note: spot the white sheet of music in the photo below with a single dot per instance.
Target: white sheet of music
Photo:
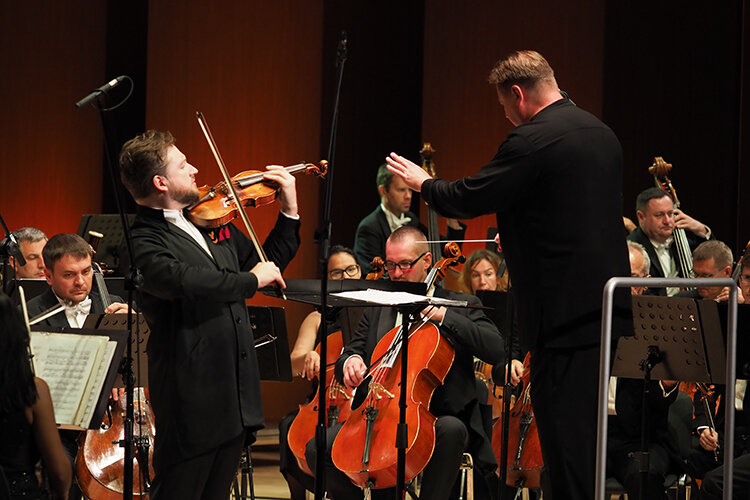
(384, 297)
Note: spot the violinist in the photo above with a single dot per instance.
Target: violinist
(712, 259)
(459, 427)
(203, 372)
(306, 364)
(657, 219)
(392, 213)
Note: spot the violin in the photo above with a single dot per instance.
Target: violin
(525, 453)
(364, 447)
(100, 463)
(707, 398)
(215, 207)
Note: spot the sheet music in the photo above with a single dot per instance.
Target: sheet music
(96, 382)
(384, 297)
(65, 362)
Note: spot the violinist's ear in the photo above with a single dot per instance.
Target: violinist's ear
(160, 183)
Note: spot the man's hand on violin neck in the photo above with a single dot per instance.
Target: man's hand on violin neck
(287, 188)
(268, 273)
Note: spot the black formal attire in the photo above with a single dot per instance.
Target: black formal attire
(48, 299)
(459, 421)
(656, 271)
(373, 231)
(712, 487)
(18, 458)
(555, 185)
(203, 372)
(624, 437)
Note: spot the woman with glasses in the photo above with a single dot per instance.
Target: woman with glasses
(27, 419)
(306, 364)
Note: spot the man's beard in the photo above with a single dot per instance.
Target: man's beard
(188, 197)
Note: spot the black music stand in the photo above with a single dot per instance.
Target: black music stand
(675, 339)
(271, 342)
(111, 246)
(139, 342)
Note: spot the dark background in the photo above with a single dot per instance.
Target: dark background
(666, 76)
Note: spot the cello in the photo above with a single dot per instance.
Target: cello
(338, 396)
(364, 447)
(525, 453)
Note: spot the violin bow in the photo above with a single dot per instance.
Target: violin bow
(235, 196)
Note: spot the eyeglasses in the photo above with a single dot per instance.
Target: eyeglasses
(337, 274)
(404, 266)
(704, 275)
(745, 278)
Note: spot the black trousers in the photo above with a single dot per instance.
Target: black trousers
(205, 477)
(451, 439)
(712, 487)
(564, 393)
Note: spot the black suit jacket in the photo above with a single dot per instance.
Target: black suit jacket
(373, 231)
(555, 185)
(656, 271)
(203, 371)
(470, 333)
(42, 302)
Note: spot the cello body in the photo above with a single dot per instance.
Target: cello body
(364, 448)
(338, 406)
(100, 460)
(524, 450)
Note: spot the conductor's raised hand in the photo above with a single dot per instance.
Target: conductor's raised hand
(268, 273)
(413, 174)
(287, 188)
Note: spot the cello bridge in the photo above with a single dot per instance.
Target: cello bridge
(378, 391)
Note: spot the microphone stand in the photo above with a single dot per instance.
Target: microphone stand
(133, 280)
(9, 246)
(324, 237)
(507, 391)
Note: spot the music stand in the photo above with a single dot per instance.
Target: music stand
(605, 351)
(111, 246)
(672, 340)
(139, 343)
(271, 342)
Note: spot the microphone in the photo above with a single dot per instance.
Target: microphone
(341, 52)
(101, 90)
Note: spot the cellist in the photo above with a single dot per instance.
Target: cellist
(455, 404)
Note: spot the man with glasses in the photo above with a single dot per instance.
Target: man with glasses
(458, 427)
(712, 259)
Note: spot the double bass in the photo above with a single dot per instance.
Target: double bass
(659, 169)
(364, 447)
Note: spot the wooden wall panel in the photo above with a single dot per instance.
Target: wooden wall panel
(50, 160)
(463, 40)
(253, 69)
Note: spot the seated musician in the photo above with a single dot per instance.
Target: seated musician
(707, 453)
(31, 242)
(67, 259)
(27, 420)
(744, 280)
(625, 407)
(712, 259)
(657, 220)
(306, 364)
(458, 426)
(392, 213)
